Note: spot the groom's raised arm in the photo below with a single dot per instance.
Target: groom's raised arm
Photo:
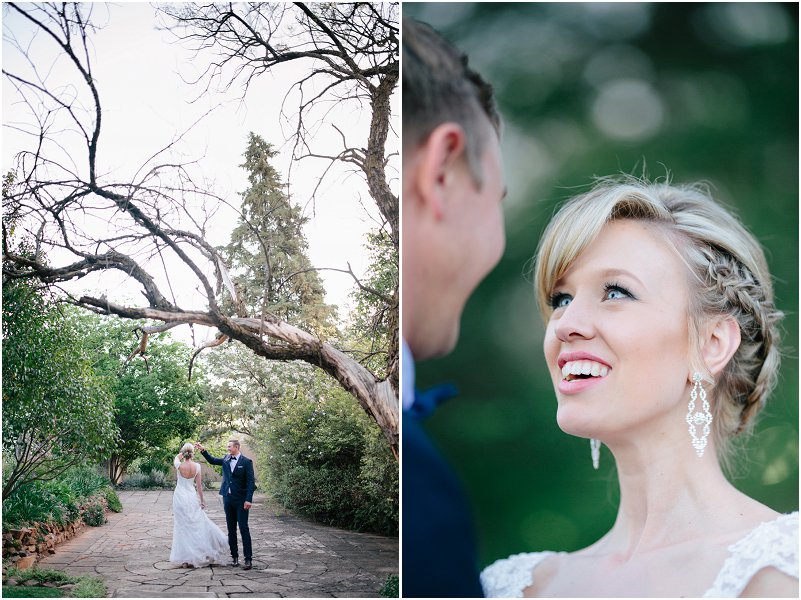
(211, 460)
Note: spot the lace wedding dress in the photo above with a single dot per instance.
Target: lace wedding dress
(770, 544)
(195, 538)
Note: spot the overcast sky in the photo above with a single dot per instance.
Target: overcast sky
(146, 104)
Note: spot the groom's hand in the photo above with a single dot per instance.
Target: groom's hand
(247, 505)
(199, 446)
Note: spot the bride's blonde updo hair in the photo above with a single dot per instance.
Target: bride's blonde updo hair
(729, 277)
(187, 451)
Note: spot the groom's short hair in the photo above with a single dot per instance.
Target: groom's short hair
(439, 86)
(235, 442)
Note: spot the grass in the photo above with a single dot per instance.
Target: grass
(31, 591)
(89, 587)
(41, 575)
(86, 586)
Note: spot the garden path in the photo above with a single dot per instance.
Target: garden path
(291, 557)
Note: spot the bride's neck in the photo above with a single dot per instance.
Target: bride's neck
(666, 494)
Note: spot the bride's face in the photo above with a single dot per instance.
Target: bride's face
(617, 343)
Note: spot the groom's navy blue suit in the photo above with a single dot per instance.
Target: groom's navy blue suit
(236, 489)
(439, 554)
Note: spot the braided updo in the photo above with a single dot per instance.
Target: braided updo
(728, 277)
(187, 451)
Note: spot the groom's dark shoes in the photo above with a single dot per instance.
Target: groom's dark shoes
(234, 562)
(248, 566)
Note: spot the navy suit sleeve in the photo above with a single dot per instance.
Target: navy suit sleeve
(251, 481)
(211, 459)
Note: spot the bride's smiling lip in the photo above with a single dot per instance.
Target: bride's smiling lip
(566, 357)
(569, 385)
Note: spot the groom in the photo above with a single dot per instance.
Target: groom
(453, 235)
(237, 489)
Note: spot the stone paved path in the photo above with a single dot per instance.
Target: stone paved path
(291, 557)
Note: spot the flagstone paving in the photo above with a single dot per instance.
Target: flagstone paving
(291, 557)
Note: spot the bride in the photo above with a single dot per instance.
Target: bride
(196, 540)
(662, 344)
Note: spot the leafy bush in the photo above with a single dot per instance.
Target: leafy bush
(157, 464)
(145, 480)
(84, 480)
(30, 503)
(112, 499)
(54, 501)
(322, 457)
(94, 515)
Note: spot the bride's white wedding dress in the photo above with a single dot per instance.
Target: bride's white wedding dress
(195, 538)
(770, 544)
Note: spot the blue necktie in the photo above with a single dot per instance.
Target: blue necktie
(427, 401)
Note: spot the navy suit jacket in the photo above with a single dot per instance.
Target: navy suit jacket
(241, 482)
(439, 553)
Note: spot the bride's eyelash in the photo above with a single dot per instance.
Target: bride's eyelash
(555, 298)
(613, 286)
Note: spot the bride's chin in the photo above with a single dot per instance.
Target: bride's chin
(578, 425)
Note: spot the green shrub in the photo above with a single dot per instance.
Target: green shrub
(391, 587)
(158, 464)
(30, 503)
(84, 481)
(112, 499)
(145, 480)
(54, 501)
(323, 457)
(66, 499)
(94, 515)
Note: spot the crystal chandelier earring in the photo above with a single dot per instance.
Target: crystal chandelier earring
(595, 452)
(701, 418)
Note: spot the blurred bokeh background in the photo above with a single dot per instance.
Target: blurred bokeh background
(699, 91)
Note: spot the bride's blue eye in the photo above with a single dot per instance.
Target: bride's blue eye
(613, 291)
(559, 300)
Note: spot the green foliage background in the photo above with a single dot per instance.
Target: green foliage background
(321, 456)
(721, 85)
(156, 408)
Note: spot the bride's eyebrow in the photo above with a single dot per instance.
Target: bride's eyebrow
(604, 274)
(614, 272)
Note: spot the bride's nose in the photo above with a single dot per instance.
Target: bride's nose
(576, 321)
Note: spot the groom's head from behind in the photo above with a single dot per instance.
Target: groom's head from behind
(233, 447)
(453, 184)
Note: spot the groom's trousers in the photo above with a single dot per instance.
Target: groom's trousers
(235, 514)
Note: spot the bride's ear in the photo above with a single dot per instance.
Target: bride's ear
(720, 341)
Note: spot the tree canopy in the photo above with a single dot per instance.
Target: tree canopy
(152, 226)
(57, 411)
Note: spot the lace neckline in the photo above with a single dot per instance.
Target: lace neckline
(769, 544)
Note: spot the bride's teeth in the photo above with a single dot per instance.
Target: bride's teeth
(584, 367)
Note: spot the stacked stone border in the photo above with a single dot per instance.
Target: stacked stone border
(23, 547)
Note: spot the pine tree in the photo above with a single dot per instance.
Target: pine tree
(268, 250)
